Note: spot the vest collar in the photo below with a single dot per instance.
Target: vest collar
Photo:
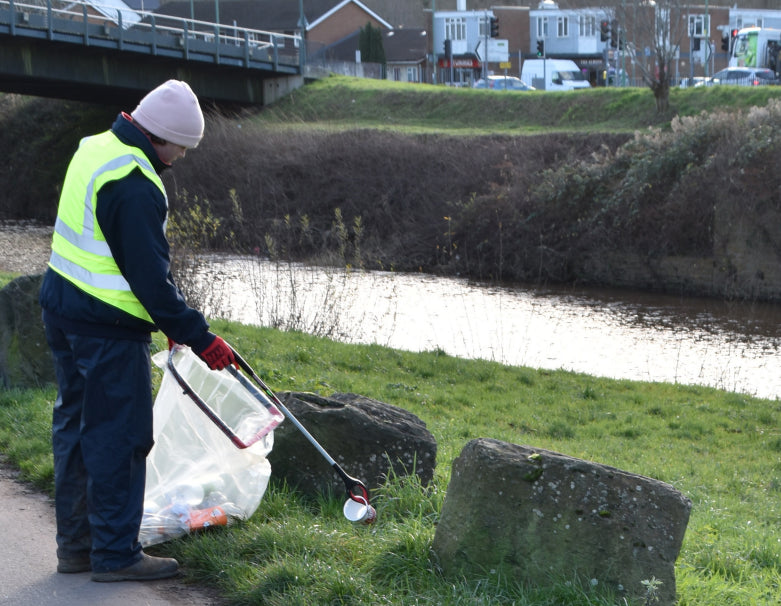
(129, 134)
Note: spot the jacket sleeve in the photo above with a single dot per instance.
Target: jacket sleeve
(131, 213)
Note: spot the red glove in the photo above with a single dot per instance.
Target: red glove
(218, 355)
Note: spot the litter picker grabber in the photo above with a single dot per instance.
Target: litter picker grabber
(357, 508)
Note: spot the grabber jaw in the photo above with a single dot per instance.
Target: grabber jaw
(358, 492)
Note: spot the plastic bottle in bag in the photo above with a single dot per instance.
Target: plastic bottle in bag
(165, 524)
(186, 494)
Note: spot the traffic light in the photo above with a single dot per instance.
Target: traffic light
(725, 43)
(494, 27)
(540, 48)
(695, 44)
(604, 31)
(448, 48)
(614, 33)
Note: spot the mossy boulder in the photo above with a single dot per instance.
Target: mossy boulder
(25, 357)
(541, 518)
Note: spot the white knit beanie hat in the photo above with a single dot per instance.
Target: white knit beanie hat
(171, 112)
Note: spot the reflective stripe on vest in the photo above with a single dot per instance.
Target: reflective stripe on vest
(80, 253)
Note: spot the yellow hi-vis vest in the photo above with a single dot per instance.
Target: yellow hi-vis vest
(80, 253)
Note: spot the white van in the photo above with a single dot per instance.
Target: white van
(553, 74)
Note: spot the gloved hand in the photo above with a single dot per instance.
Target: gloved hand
(218, 355)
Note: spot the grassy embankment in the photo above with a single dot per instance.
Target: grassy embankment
(723, 450)
(51, 129)
(347, 103)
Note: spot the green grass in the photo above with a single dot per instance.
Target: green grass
(721, 449)
(342, 102)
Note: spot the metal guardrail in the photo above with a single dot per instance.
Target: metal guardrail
(107, 27)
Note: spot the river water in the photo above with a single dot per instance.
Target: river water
(612, 333)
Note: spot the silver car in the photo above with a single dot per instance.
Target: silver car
(502, 83)
(742, 76)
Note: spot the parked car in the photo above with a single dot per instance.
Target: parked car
(742, 76)
(502, 83)
(692, 82)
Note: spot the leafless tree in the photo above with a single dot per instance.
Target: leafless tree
(651, 32)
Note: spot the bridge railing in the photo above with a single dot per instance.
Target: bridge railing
(126, 29)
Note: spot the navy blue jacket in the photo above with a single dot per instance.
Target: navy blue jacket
(131, 213)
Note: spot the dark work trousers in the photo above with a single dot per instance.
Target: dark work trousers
(101, 435)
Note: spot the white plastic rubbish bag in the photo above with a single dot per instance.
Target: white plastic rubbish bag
(212, 434)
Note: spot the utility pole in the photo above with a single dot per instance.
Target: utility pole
(450, 63)
(622, 43)
(302, 27)
(707, 37)
(691, 53)
(433, 41)
(486, 27)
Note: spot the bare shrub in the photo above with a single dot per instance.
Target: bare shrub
(653, 197)
(193, 230)
(283, 294)
(396, 190)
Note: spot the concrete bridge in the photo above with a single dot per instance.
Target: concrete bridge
(107, 53)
